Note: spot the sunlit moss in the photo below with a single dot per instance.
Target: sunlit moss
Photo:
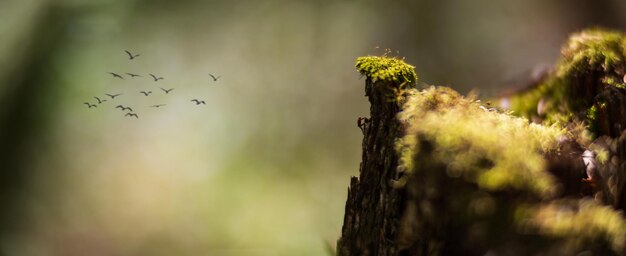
(591, 50)
(581, 223)
(592, 116)
(498, 152)
(602, 155)
(386, 69)
(465, 134)
(591, 60)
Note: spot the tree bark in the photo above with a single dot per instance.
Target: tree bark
(373, 208)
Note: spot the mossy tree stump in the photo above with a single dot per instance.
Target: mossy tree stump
(443, 174)
(374, 207)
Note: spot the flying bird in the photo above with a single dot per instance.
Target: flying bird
(116, 75)
(214, 77)
(156, 79)
(198, 102)
(130, 55)
(133, 75)
(99, 100)
(131, 115)
(113, 95)
(90, 105)
(146, 93)
(157, 105)
(167, 91)
(124, 108)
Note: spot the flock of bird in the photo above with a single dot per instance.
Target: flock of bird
(131, 112)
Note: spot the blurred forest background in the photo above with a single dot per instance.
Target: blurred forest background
(263, 168)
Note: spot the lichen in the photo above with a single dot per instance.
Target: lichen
(591, 60)
(465, 133)
(387, 69)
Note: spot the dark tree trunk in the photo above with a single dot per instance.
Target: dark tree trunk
(373, 207)
(25, 107)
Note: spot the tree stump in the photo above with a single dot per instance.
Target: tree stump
(373, 208)
(444, 174)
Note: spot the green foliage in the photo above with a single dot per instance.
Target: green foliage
(387, 69)
(465, 134)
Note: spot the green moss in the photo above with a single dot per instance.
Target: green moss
(387, 69)
(477, 170)
(591, 60)
(612, 81)
(592, 50)
(465, 134)
(581, 223)
(592, 116)
(495, 152)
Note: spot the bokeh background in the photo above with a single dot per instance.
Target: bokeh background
(263, 168)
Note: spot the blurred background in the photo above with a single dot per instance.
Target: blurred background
(263, 167)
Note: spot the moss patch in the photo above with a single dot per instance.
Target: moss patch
(591, 50)
(499, 157)
(466, 134)
(592, 60)
(581, 223)
(387, 69)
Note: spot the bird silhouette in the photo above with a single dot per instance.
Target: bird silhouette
(131, 115)
(116, 75)
(90, 105)
(198, 102)
(130, 55)
(214, 77)
(124, 108)
(166, 90)
(99, 100)
(156, 78)
(113, 95)
(146, 93)
(157, 105)
(133, 75)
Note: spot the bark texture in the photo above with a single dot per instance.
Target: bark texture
(373, 207)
